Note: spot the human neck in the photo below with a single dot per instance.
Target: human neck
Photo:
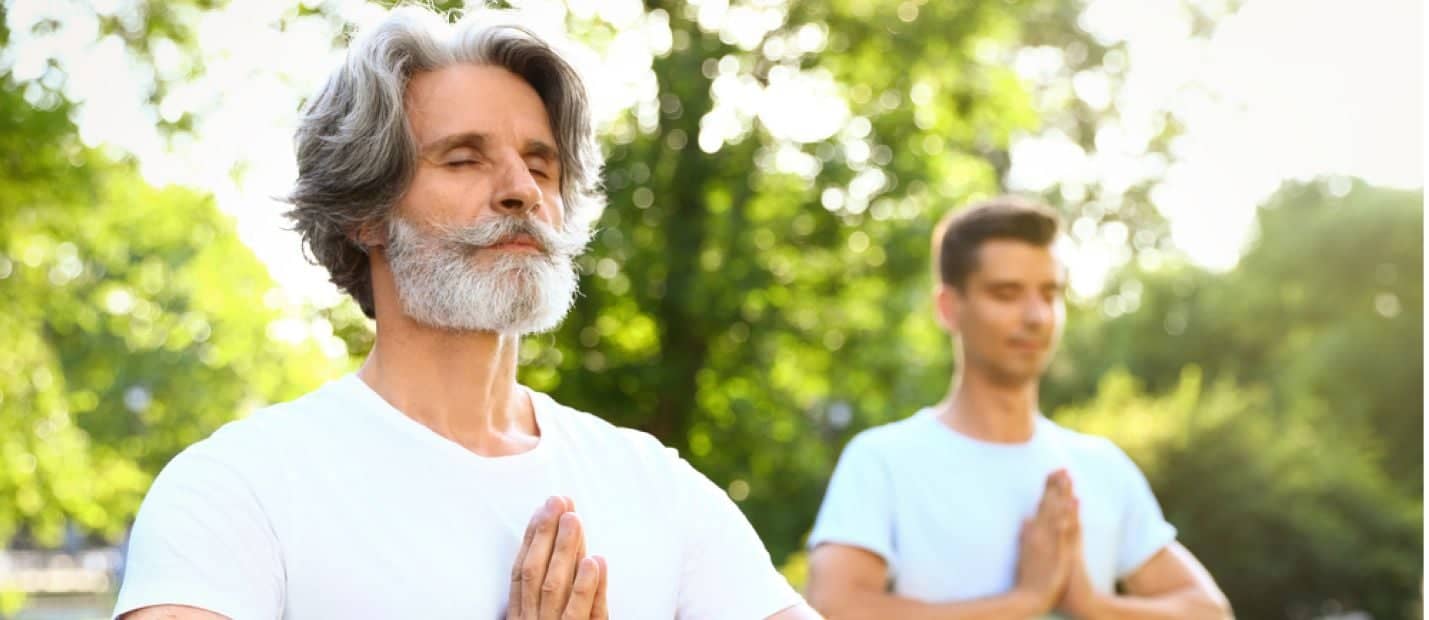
(462, 385)
(986, 410)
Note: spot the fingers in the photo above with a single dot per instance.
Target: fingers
(551, 577)
(1067, 509)
(1049, 496)
(1058, 498)
(1071, 533)
(583, 590)
(561, 571)
(530, 570)
(1039, 537)
(1070, 505)
(513, 598)
(1059, 482)
(1050, 508)
(1058, 509)
(599, 611)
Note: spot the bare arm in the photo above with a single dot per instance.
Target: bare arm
(172, 612)
(1172, 584)
(849, 582)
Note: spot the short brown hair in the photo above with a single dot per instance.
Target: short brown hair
(960, 233)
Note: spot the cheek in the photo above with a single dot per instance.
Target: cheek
(443, 194)
(1002, 314)
(426, 193)
(553, 208)
(992, 320)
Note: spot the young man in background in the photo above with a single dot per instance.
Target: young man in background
(979, 506)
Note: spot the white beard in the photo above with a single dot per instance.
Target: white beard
(445, 278)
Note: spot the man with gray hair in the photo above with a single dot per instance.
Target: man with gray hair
(447, 178)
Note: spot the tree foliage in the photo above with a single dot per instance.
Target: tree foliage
(134, 323)
(1326, 306)
(1291, 521)
(756, 295)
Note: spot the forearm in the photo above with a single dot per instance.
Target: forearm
(1187, 604)
(859, 605)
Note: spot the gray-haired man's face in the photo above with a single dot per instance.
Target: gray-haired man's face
(478, 242)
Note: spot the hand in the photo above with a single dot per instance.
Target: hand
(552, 578)
(1043, 565)
(1081, 599)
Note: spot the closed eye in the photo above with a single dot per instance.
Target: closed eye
(1005, 292)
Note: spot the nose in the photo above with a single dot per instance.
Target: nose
(516, 191)
(1037, 311)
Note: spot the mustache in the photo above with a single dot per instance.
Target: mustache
(495, 230)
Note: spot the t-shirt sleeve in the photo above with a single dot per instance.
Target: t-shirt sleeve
(1144, 530)
(727, 573)
(201, 539)
(858, 505)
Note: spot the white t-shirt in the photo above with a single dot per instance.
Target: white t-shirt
(944, 509)
(337, 505)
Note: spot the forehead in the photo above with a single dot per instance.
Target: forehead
(1012, 260)
(475, 98)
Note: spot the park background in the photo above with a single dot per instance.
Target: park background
(1241, 184)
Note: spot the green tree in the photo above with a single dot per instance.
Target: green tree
(134, 321)
(1291, 521)
(1326, 306)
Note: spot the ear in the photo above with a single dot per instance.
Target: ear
(946, 307)
(370, 235)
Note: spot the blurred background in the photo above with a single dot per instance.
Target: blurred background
(1241, 184)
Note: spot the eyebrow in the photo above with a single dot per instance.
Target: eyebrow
(471, 139)
(1001, 283)
(539, 148)
(1006, 284)
(533, 148)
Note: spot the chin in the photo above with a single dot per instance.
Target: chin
(1021, 374)
(485, 323)
(539, 324)
(514, 295)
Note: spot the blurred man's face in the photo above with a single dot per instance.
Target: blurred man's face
(478, 242)
(1009, 313)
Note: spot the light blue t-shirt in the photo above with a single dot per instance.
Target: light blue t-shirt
(944, 509)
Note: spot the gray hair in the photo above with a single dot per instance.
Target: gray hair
(355, 150)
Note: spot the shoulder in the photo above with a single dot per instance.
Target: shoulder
(891, 438)
(1093, 450)
(587, 427)
(258, 443)
(587, 432)
(634, 457)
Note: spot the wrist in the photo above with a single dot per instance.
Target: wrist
(1030, 602)
(1092, 606)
